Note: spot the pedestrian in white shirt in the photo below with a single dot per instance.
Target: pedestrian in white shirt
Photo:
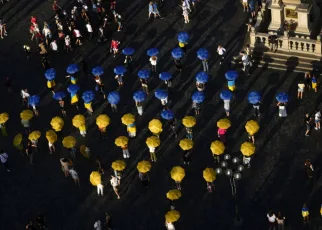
(54, 46)
(152, 154)
(78, 36)
(115, 183)
(221, 52)
(75, 176)
(100, 189)
(246, 62)
(169, 225)
(227, 107)
(317, 120)
(98, 225)
(25, 96)
(153, 61)
(51, 147)
(4, 160)
(271, 220)
(89, 30)
(68, 45)
(164, 101)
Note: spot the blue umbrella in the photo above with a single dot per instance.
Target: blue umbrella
(72, 69)
(167, 114)
(202, 54)
(97, 71)
(34, 100)
(88, 96)
(177, 53)
(183, 37)
(50, 74)
(165, 76)
(139, 96)
(152, 52)
(282, 97)
(231, 75)
(59, 96)
(226, 94)
(144, 73)
(73, 88)
(198, 97)
(114, 97)
(161, 94)
(128, 51)
(202, 77)
(254, 97)
(120, 70)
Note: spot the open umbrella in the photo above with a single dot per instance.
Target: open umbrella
(114, 97)
(282, 97)
(59, 96)
(144, 73)
(26, 115)
(73, 88)
(202, 77)
(165, 76)
(72, 69)
(186, 144)
(128, 51)
(121, 141)
(252, 127)
(167, 114)
(209, 174)
(223, 123)
(102, 121)
(152, 52)
(152, 142)
(128, 119)
(34, 100)
(51, 136)
(183, 37)
(155, 126)
(88, 96)
(247, 149)
(174, 194)
(120, 70)
(231, 75)
(69, 142)
(57, 123)
(226, 94)
(139, 96)
(33, 136)
(97, 71)
(4, 117)
(144, 166)
(198, 97)
(172, 216)
(85, 151)
(50, 74)
(161, 94)
(254, 97)
(17, 140)
(95, 178)
(217, 147)
(78, 121)
(189, 121)
(118, 165)
(177, 53)
(202, 54)
(177, 173)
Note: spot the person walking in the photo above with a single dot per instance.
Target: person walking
(309, 168)
(100, 189)
(245, 5)
(300, 90)
(314, 83)
(169, 225)
(256, 109)
(317, 120)
(29, 152)
(153, 61)
(271, 220)
(185, 14)
(308, 121)
(222, 134)
(126, 153)
(205, 65)
(189, 134)
(173, 124)
(144, 178)
(221, 52)
(227, 107)
(139, 107)
(280, 221)
(4, 160)
(246, 161)
(115, 183)
(89, 30)
(144, 84)
(152, 154)
(25, 97)
(98, 225)
(75, 176)
(186, 157)
(51, 147)
(307, 78)
(305, 214)
(282, 109)
(65, 166)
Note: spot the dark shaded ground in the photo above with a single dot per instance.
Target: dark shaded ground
(276, 179)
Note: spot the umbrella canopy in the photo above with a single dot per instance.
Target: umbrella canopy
(51, 136)
(174, 194)
(226, 94)
(209, 174)
(119, 70)
(152, 142)
(165, 76)
(4, 117)
(73, 88)
(72, 69)
(69, 142)
(172, 216)
(50, 74)
(84, 151)
(167, 114)
(78, 121)
(118, 165)
(231, 75)
(183, 37)
(121, 141)
(282, 97)
(247, 149)
(97, 71)
(139, 96)
(252, 127)
(57, 123)
(198, 97)
(177, 173)
(152, 52)
(217, 147)
(128, 51)
(34, 100)
(114, 97)
(202, 77)
(102, 121)
(59, 96)
(155, 126)
(203, 54)
(17, 140)
(144, 73)
(186, 144)
(189, 121)
(95, 178)
(26, 115)
(161, 94)
(33, 136)
(254, 97)
(144, 166)
(128, 119)
(177, 53)
(88, 96)
(223, 123)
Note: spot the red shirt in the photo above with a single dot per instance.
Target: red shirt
(33, 20)
(114, 44)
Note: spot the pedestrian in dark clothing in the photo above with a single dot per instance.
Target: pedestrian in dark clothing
(173, 123)
(30, 225)
(186, 157)
(84, 67)
(144, 178)
(8, 84)
(256, 108)
(178, 64)
(309, 169)
(29, 152)
(128, 63)
(308, 122)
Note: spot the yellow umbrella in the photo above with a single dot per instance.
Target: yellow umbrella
(121, 141)
(186, 144)
(69, 142)
(51, 136)
(172, 216)
(155, 126)
(17, 140)
(252, 127)
(177, 173)
(189, 121)
(33, 136)
(128, 119)
(209, 174)
(84, 151)
(4, 117)
(102, 121)
(57, 123)
(118, 165)
(217, 147)
(174, 194)
(144, 166)
(26, 115)
(152, 142)
(78, 120)
(223, 123)
(247, 149)
(95, 178)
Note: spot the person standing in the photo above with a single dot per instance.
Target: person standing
(4, 160)
(271, 220)
(221, 52)
(115, 183)
(308, 122)
(317, 120)
(300, 90)
(314, 83)
(280, 221)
